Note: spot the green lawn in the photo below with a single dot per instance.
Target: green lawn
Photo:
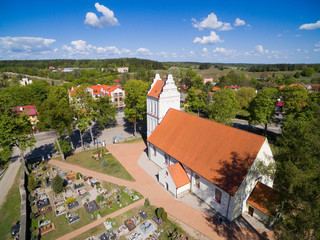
(114, 167)
(10, 210)
(167, 227)
(133, 140)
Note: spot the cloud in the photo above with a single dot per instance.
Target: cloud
(298, 35)
(259, 50)
(310, 26)
(224, 51)
(317, 44)
(211, 22)
(238, 22)
(192, 54)
(107, 19)
(213, 38)
(279, 35)
(298, 50)
(204, 52)
(26, 45)
(316, 50)
(143, 51)
(226, 27)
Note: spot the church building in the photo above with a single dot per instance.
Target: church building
(216, 162)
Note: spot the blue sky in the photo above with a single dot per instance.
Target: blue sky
(204, 31)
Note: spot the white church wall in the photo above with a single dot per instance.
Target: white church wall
(165, 178)
(251, 179)
(183, 188)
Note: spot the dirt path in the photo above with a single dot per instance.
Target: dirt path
(128, 155)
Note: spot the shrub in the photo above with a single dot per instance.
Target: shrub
(32, 183)
(57, 184)
(100, 198)
(44, 168)
(159, 212)
(78, 175)
(70, 200)
(33, 215)
(146, 202)
(104, 163)
(164, 216)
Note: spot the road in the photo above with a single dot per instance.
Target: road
(243, 124)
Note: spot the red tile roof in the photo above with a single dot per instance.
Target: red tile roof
(219, 153)
(232, 87)
(178, 175)
(215, 89)
(96, 90)
(157, 88)
(261, 196)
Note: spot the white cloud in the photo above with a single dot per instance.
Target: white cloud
(143, 51)
(316, 50)
(224, 51)
(225, 27)
(213, 38)
(192, 54)
(26, 45)
(211, 22)
(204, 52)
(107, 19)
(238, 22)
(298, 35)
(317, 44)
(310, 26)
(259, 50)
(279, 35)
(298, 50)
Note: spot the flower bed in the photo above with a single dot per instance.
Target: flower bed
(46, 229)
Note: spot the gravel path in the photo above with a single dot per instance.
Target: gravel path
(7, 180)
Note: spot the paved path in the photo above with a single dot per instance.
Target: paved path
(128, 155)
(8, 179)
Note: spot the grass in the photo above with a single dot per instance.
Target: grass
(167, 227)
(61, 224)
(114, 167)
(10, 210)
(140, 139)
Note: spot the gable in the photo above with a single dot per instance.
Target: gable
(178, 175)
(156, 89)
(221, 154)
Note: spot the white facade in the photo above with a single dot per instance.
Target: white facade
(158, 107)
(165, 179)
(123, 69)
(230, 206)
(25, 81)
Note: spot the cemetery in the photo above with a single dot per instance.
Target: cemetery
(81, 200)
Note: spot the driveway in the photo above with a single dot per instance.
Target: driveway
(128, 155)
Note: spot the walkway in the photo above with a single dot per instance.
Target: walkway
(128, 155)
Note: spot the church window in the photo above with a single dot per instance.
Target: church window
(166, 157)
(154, 151)
(197, 183)
(218, 195)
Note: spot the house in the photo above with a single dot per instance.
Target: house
(233, 88)
(207, 79)
(214, 89)
(25, 81)
(31, 111)
(215, 162)
(123, 70)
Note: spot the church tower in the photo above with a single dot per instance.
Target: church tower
(162, 96)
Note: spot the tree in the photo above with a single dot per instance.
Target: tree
(14, 128)
(297, 75)
(32, 183)
(65, 146)
(245, 95)
(57, 184)
(224, 107)
(104, 111)
(56, 113)
(262, 107)
(298, 175)
(194, 101)
(197, 82)
(294, 98)
(135, 101)
(307, 72)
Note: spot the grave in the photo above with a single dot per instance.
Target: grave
(60, 210)
(46, 229)
(129, 224)
(146, 229)
(44, 210)
(110, 235)
(91, 206)
(72, 217)
(143, 214)
(43, 203)
(73, 205)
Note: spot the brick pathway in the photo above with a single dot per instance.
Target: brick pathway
(128, 155)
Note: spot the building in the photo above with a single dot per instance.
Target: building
(207, 79)
(216, 162)
(123, 70)
(114, 92)
(31, 111)
(25, 81)
(161, 96)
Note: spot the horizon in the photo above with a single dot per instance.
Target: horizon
(180, 31)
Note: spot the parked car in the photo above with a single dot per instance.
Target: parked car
(15, 229)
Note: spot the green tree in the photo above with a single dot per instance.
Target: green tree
(65, 146)
(135, 101)
(32, 183)
(57, 184)
(245, 95)
(298, 176)
(104, 111)
(294, 98)
(197, 82)
(307, 72)
(262, 107)
(297, 75)
(224, 106)
(56, 113)
(194, 101)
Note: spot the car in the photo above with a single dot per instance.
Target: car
(15, 229)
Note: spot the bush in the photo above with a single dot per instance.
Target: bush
(307, 72)
(164, 216)
(33, 215)
(159, 212)
(146, 202)
(70, 200)
(44, 168)
(57, 184)
(100, 198)
(32, 183)
(78, 175)
(104, 163)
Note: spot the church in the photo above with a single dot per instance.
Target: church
(216, 162)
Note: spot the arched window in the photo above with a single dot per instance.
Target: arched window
(197, 183)
(166, 158)
(218, 195)
(154, 151)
